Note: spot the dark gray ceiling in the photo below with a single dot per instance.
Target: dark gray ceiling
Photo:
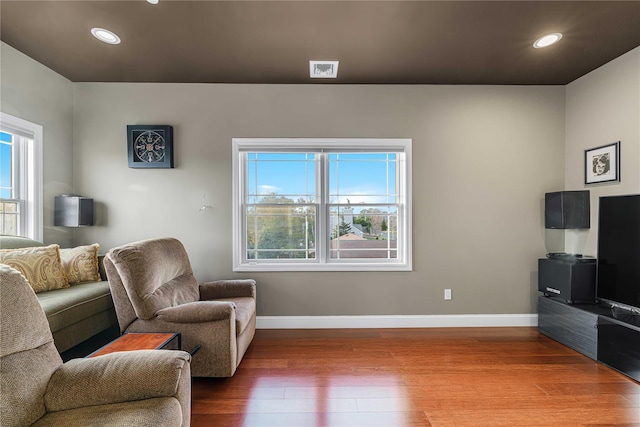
(376, 42)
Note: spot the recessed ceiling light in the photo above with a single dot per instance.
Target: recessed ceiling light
(105, 36)
(547, 40)
(323, 69)
(153, 1)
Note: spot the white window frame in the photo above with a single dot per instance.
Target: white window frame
(322, 263)
(28, 174)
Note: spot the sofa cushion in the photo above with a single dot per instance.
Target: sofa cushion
(157, 412)
(22, 329)
(26, 347)
(67, 306)
(245, 311)
(156, 274)
(41, 266)
(25, 376)
(80, 264)
(16, 242)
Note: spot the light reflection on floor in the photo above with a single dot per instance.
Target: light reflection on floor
(327, 401)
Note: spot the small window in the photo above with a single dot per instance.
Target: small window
(20, 177)
(322, 204)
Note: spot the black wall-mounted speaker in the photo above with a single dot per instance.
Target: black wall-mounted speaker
(567, 209)
(73, 211)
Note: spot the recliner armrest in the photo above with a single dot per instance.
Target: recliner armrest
(197, 312)
(227, 289)
(118, 377)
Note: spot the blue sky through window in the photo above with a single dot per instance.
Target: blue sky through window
(362, 178)
(5, 166)
(291, 175)
(353, 177)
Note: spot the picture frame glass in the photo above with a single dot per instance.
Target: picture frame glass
(602, 164)
(150, 146)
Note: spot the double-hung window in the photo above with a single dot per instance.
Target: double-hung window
(307, 204)
(20, 177)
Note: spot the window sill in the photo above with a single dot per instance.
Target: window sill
(293, 267)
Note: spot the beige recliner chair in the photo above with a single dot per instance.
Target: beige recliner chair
(154, 290)
(137, 388)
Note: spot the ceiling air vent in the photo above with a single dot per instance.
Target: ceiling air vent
(323, 69)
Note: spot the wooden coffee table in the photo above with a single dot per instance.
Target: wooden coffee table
(141, 341)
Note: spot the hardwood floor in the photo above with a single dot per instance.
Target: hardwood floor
(415, 377)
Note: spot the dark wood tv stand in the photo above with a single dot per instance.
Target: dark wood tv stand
(612, 337)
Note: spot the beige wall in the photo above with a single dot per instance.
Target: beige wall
(483, 159)
(603, 107)
(33, 92)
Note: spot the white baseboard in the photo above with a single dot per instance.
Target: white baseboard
(426, 321)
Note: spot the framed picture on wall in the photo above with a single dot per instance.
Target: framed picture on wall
(150, 146)
(602, 164)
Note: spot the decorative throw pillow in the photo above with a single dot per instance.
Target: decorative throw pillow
(40, 266)
(80, 264)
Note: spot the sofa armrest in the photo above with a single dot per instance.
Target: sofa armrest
(197, 312)
(227, 289)
(118, 377)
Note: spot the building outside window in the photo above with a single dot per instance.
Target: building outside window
(20, 177)
(322, 204)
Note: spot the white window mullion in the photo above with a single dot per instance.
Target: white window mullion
(21, 188)
(16, 166)
(324, 223)
(238, 204)
(256, 241)
(403, 181)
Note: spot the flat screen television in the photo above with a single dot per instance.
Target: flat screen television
(618, 268)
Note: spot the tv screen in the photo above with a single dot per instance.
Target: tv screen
(618, 271)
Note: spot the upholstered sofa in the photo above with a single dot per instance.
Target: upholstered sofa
(77, 312)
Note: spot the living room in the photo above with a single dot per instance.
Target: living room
(483, 158)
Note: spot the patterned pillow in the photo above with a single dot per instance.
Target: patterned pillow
(80, 264)
(40, 266)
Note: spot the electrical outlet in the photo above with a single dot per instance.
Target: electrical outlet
(447, 294)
